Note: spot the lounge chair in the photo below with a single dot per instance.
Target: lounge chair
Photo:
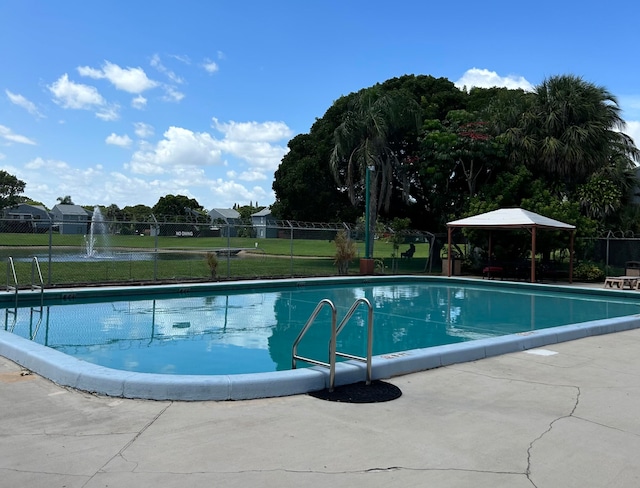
(620, 282)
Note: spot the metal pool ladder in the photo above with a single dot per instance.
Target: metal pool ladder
(11, 273)
(335, 331)
(37, 283)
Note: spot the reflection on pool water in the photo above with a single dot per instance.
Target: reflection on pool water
(246, 331)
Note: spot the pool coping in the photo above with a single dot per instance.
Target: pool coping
(69, 371)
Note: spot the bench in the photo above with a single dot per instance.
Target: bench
(492, 271)
(621, 282)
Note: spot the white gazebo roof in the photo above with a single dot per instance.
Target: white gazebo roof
(506, 218)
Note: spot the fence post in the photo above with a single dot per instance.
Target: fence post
(291, 247)
(50, 249)
(228, 250)
(155, 254)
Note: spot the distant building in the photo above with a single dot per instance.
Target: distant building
(264, 224)
(71, 219)
(227, 219)
(26, 218)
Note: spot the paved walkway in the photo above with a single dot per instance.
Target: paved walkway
(564, 417)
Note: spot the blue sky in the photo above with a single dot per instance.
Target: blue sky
(125, 102)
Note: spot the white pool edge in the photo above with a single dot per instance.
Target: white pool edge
(68, 371)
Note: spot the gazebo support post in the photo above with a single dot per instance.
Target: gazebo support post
(449, 230)
(533, 254)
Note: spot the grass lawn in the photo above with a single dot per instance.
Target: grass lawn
(272, 258)
(277, 247)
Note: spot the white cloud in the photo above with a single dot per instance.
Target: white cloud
(21, 101)
(2, 156)
(182, 58)
(225, 193)
(171, 94)
(131, 80)
(48, 179)
(253, 131)
(68, 94)
(157, 64)
(109, 113)
(253, 142)
(483, 78)
(139, 102)
(8, 135)
(116, 140)
(209, 66)
(249, 141)
(39, 164)
(179, 148)
(142, 130)
(630, 106)
(252, 176)
(632, 129)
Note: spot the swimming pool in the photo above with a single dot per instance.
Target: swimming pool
(225, 341)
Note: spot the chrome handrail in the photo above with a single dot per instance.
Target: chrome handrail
(35, 272)
(346, 318)
(335, 330)
(332, 352)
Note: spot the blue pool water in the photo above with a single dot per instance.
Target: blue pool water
(250, 331)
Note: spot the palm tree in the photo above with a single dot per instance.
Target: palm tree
(571, 130)
(66, 200)
(365, 140)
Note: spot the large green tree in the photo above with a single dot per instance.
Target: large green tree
(137, 213)
(304, 187)
(10, 189)
(175, 207)
(480, 148)
(570, 131)
(369, 142)
(459, 156)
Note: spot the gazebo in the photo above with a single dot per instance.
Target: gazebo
(513, 218)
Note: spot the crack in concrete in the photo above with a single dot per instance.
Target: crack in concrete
(549, 429)
(606, 426)
(527, 472)
(120, 453)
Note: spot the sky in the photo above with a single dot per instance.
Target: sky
(120, 102)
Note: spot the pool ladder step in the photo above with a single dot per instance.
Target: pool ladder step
(335, 331)
(37, 283)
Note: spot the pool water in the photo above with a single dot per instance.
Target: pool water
(233, 332)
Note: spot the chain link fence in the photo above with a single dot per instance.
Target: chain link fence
(616, 251)
(169, 250)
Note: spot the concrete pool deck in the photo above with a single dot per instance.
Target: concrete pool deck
(565, 415)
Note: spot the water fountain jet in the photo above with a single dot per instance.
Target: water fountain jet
(97, 237)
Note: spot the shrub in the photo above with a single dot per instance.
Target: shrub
(345, 252)
(588, 272)
(212, 263)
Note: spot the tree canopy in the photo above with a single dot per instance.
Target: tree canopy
(475, 151)
(175, 205)
(10, 189)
